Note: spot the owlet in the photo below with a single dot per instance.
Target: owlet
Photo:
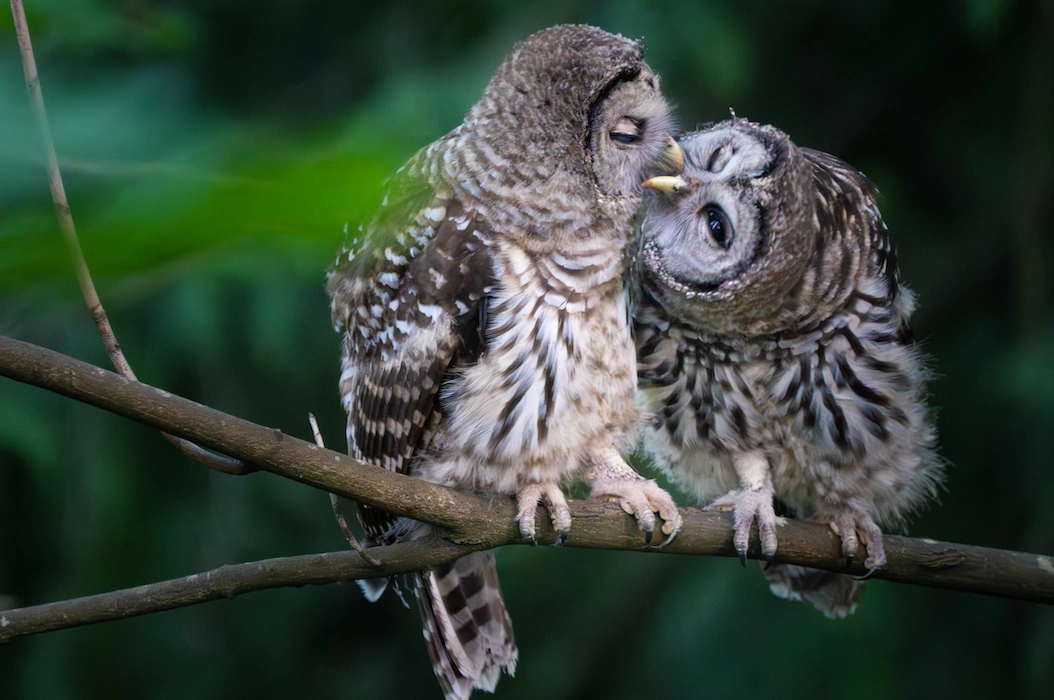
(486, 332)
(775, 352)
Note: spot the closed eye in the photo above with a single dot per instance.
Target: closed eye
(627, 130)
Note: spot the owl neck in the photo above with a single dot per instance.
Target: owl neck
(871, 313)
(571, 277)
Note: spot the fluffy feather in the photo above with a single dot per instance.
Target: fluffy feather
(484, 316)
(775, 351)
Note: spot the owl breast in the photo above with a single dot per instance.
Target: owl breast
(557, 376)
(838, 404)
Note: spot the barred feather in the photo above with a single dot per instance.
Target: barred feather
(466, 628)
(782, 333)
(486, 333)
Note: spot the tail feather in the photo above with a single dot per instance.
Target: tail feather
(835, 595)
(465, 624)
(373, 588)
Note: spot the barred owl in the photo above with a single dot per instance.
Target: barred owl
(486, 330)
(774, 349)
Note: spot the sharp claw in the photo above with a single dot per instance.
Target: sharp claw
(529, 497)
(867, 575)
(749, 507)
(562, 536)
(642, 499)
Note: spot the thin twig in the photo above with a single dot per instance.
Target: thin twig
(334, 500)
(226, 582)
(486, 520)
(222, 463)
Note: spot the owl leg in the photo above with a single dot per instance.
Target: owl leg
(549, 493)
(754, 501)
(613, 478)
(855, 527)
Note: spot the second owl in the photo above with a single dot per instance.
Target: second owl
(775, 352)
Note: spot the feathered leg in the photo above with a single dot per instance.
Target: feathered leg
(754, 501)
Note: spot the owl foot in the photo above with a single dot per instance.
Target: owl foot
(549, 493)
(615, 479)
(748, 505)
(642, 498)
(855, 528)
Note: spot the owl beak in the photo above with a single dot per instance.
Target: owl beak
(672, 159)
(670, 184)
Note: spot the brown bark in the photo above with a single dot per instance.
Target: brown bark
(468, 521)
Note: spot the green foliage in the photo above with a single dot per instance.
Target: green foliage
(213, 152)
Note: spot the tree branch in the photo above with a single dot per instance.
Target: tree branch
(471, 521)
(228, 581)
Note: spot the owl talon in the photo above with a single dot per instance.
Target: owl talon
(743, 558)
(562, 536)
(871, 536)
(856, 528)
(748, 506)
(642, 499)
(866, 576)
(549, 494)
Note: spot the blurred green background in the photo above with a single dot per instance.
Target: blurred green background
(213, 151)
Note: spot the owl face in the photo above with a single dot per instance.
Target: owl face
(724, 243)
(630, 136)
(556, 148)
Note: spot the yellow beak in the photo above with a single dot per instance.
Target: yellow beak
(674, 184)
(672, 160)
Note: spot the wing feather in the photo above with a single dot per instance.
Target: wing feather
(407, 293)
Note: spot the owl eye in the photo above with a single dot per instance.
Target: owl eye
(627, 130)
(720, 227)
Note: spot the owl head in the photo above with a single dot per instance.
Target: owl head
(743, 243)
(565, 131)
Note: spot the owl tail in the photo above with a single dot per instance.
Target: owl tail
(835, 595)
(465, 625)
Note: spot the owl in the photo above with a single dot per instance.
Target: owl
(774, 350)
(484, 314)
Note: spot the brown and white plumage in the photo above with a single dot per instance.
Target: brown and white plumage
(486, 334)
(774, 348)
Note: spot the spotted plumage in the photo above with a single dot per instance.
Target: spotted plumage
(774, 348)
(486, 331)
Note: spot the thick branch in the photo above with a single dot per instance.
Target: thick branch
(487, 520)
(271, 449)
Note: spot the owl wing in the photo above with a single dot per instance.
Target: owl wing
(849, 201)
(847, 194)
(409, 296)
